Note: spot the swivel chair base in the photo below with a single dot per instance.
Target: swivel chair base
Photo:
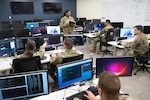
(143, 68)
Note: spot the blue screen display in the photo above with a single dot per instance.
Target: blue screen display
(24, 85)
(31, 25)
(127, 32)
(7, 47)
(71, 73)
(98, 26)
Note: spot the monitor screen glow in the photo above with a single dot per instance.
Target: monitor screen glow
(30, 25)
(7, 47)
(98, 26)
(121, 66)
(53, 30)
(24, 85)
(127, 32)
(74, 72)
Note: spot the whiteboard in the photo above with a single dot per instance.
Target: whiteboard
(131, 12)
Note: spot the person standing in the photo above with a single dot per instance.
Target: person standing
(67, 23)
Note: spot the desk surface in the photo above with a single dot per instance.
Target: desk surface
(6, 62)
(90, 35)
(58, 95)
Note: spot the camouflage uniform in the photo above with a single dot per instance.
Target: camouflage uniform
(140, 45)
(64, 21)
(66, 53)
(39, 53)
(101, 35)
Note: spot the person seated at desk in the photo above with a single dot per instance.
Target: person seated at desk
(58, 57)
(31, 50)
(108, 88)
(101, 36)
(69, 52)
(140, 44)
(67, 23)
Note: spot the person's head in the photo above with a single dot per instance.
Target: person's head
(68, 43)
(109, 86)
(107, 22)
(30, 47)
(138, 29)
(67, 13)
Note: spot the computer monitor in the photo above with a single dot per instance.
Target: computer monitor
(43, 24)
(7, 47)
(77, 38)
(121, 66)
(117, 24)
(126, 32)
(146, 29)
(97, 27)
(20, 43)
(36, 30)
(74, 72)
(53, 40)
(30, 25)
(24, 85)
(6, 34)
(96, 21)
(38, 40)
(53, 30)
(20, 32)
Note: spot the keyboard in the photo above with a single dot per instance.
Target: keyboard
(43, 58)
(81, 94)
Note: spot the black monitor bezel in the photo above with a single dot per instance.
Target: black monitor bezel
(112, 58)
(31, 72)
(71, 63)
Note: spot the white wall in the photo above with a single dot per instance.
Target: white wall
(89, 8)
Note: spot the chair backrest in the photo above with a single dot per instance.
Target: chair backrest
(69, 59)
(110, 35)
(116, 34)
(26, 64)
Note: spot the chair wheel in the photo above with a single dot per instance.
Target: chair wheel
(134, 73)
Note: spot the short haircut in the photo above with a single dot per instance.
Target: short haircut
(108, 21)
(68, 42)
(139, 27)
(30, 45)
(66, 12)
(109, 83)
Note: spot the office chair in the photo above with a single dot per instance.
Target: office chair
(52, 69)
(143, 61)
(109, 37)
(27, 64)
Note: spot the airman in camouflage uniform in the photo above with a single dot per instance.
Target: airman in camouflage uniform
(65, 23)
(101, 36)
(140, 44)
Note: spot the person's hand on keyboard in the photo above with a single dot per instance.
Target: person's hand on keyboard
(90, 95)
(123, 43)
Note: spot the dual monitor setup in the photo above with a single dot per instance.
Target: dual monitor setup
(37, 27)
(82, 70)
(12, 45)
(31, 84)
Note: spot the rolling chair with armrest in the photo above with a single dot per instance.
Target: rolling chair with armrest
(109, 37)
(143, 61)
(52, 69)
(26, 64)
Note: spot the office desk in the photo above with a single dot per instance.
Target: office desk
(58, 95)
(88, 36)
(115, 43)
(6, 63)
